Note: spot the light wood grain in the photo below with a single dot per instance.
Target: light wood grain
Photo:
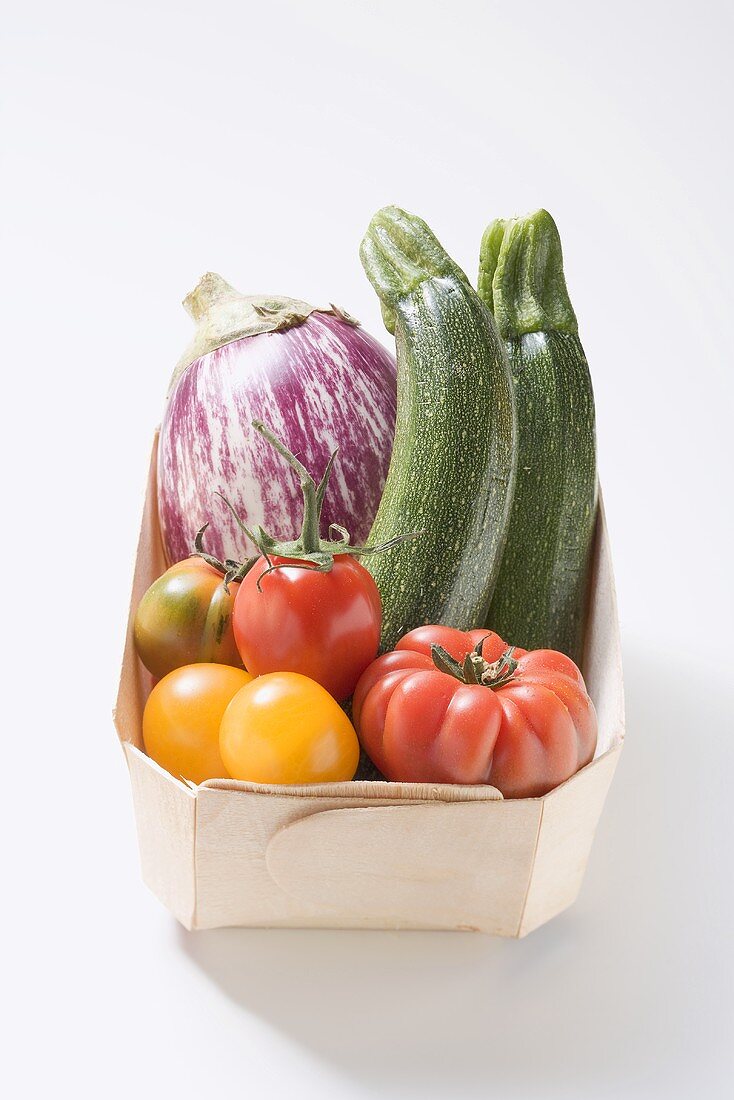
(443, 865)
(602, 664)
(150, 563)
(569, 818)
(165, 814)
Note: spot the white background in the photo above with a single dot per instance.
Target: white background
(144, 143)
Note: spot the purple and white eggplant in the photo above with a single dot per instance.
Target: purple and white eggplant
(314, 375)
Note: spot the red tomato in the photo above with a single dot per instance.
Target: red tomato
(527, 727)
(324, 625)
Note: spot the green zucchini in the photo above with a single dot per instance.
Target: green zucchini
(452, 470)
(540, 598)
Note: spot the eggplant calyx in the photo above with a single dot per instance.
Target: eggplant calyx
(222, 315)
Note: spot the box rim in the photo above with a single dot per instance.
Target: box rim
(358, 790)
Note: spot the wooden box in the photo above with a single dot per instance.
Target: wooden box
(362, 854)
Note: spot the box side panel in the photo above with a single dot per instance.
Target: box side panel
(436, 866)
(568, 823)
(602, 664)
(150, 563)
(165, 815)
(570, 814)
(268, 861)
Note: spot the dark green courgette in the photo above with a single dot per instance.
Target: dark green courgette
(453, 464)
(540, 598)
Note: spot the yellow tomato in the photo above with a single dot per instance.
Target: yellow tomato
(182, 718)
(286, 728)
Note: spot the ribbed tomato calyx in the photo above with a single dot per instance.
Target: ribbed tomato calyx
(474, 669)
(501, 671)
(309, 550)
(230, 569)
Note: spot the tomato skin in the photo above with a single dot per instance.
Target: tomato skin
(322, 625)
(182, 717)
(456, 642)
(285, 728)
(524, 737)
(186, 617)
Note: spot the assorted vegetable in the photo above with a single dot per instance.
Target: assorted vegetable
(541, 591)
(453, 463)
(315, 375)
(182, 718)
(487, 516)
(186, 617)
(309, 606)
(286, 728)
(448, 706)
(323, 625)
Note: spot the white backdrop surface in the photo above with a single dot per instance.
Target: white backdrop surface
(144, 143)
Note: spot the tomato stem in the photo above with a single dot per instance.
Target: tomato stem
(313, 496)
(474, 669)
(309, 549)
(230, 569)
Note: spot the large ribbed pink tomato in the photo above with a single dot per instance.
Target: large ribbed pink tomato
(452, 707)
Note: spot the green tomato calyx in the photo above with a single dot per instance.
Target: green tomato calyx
(474, 669)
(309, 550)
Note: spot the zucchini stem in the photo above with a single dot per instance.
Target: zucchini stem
(521, 276)
(488, 255)
(399, 252)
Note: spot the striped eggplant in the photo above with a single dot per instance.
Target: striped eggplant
(314, 375)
